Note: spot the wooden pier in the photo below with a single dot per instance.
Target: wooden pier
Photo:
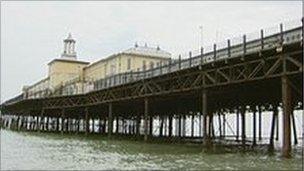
(255, 79)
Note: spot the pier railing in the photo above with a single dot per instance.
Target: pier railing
(272, 37)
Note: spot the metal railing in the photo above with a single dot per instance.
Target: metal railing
(264, 39)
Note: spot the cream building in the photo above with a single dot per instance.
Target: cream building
(67, 75)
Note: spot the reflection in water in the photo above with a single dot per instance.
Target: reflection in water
(20, 150)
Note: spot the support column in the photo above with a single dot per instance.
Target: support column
(117, 124)
(260, 123)
(243, 119)
(67, 124)
(224, 124)
(21, 123)
(192, 125)
(62, 120)
(110, 120)
(47, 123)
(220, 124)
(277, 127)
(179, 125)
(161, 122)
(237, 123)
(274, 117)
(17, 123)
(200, 124)
(287, 110)
(146, 110)
(104, 125)
(151, 126)
(57, 124)
(93, 125)
(211, 126)
(26, 123)
(87, 121)
(207, 140)
(138, 125)
(78, 125)
(254, 126)
(170, 126)
(294, 129)
(30, 123)
(39, 124)
(184, 125)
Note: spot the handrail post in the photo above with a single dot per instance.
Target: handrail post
(281, 34)
(214, 51)
(202, 55)
(119, 78)
(125, 77)
(190, 59)
(302, 29)
(244, 44)
(169, 68)
(131, 75)
(229, 48)
(179, 62)
(161, 68)
(262, 39)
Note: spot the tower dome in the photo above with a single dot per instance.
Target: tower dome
(69, 48)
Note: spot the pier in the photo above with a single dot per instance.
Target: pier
(259, 75)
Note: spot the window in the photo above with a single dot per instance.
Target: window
(144, 65)
(151, 65)
(129, 64)
(113, 70)
(105, 71)
(157, 64)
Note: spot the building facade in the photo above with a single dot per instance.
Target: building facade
(67, 75)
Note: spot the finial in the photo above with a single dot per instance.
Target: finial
(136, 45)
(146, 45)
(70, 36)
(158, 48)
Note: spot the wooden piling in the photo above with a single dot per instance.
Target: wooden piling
(287, 110)
(192, 125)
(170, 127)
(161, 122)
(243, 120)
(146, 110)
(254, 126)
(151, 126)
(274, 117)
(237, 123)
(260, 123)
(294, 129)
(207, 140)
(224, 124)
(87, 121)
(138, 119)
(62, 120)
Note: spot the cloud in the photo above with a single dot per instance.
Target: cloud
(32, 32)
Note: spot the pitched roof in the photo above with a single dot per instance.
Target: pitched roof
(148, 51)
(68, 60)
(138, 50)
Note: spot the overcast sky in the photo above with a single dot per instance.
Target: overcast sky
(32, 32)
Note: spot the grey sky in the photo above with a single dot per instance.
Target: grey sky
(32, 32)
